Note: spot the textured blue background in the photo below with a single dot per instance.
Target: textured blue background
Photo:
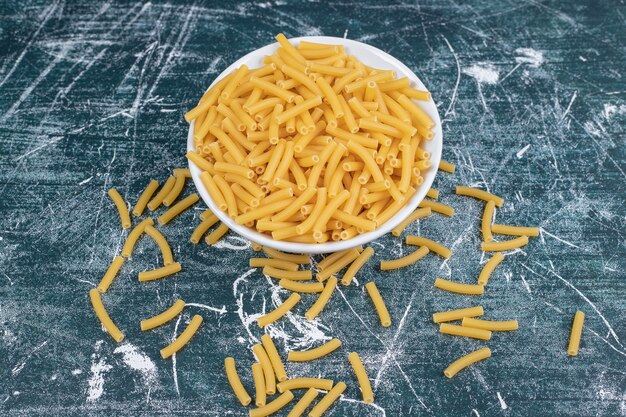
(533, 100)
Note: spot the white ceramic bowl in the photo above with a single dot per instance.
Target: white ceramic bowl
(370, 56)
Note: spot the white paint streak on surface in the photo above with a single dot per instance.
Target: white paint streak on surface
(529, 56)
(99, 367)
(522, 151)
(18, 368)
(483, 73)
(501, 400)
(227, 243)
(138, 361)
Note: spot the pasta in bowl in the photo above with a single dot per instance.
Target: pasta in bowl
(314, 144)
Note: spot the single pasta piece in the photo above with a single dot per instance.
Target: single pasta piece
(280, 311)
(273, 406)
(300, 383)
(185, 172)
(503, 229)
(456, 287)
(438, 207)
(164, 247)
(272, 354)
(455, 330)
(145, 196)
(577, 329)
(103, 316)
(316, 353)
(357, 265)
(276, 263)
(432, 193)
(339, 264)
(379, 304)
(259, 385)
(446, 167)
(304, 402)
(286, 274)
(216, 234)
(417, 214)
(178, 208)
(268, 370)
(175, 191)
(157, 200)
(328, 400)
(110, 274)
(489, 267)
(202, 228)
(404, 261)
(322, 300)
(121, 207)
(183, 338)
(134, 235)
(479, 194)
(433, 246)
(332, 258)
(487, 219)
(467, 360)
(297, 286)
(164, 317)
(361, 376)
(518, 242)
(159, 272)
(235, 383)
(494, 326)
(452, 315)
(298, 259)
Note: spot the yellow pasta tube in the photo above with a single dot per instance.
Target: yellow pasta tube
(367, 159)
(275, 157)
(291, 257)
(465, 361)
(300, 383)
(110, 274)
(208, 99)
(379, 304)
(433, 246)
(350, 219)
(235, 383)
(145, 196)
(405, 260)
(446, 166)
(165, 190)
(251, 187)
(164, 317)
(331, 97)
(272, 89)
(348, 256)
(468, 289)
(479, 194)
(327, 69)
(361, 376)
(357, 265)
(213, 190)
(229, 196)
(228, 143)
(298, 109)
(164, 247)
(304, 403)
(328, 400)
(263, 210)
(494, 326)
(486, 221)
(286, 274)
(417, 214)
(327, 212)
(432, 193)
(134, 235)
(200, 162)
(322, 300)
(234, 81)
(575, 334)
(259, 385)
(202, 228)
(178, 208)
(103, 316)
(292, 209)
(159, 272)
(489, 267)
(438, 207)
(452, 315)
(416, 111)
(289, 48)
(416, 94)
(302, 79)
(268, 371)
(272, 354)
(276, 263)
(374, 78)
(175, 191)
(315, 353)
(273, 406)
(280, 311)
(518, 242)
(298, 287)
(121, 207)
(234, 169)
(502, 229)
(455, 330)
(216, 234)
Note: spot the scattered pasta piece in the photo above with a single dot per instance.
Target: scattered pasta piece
(202, 228)
(260, 395)
(145, 196)
(164, 247)
(178, 208)
(479, 194)
(164, 317)
(361, 375)
(316, 353)
(159, 273)
(455, 330)
(298, 259)
(322, 300)
(467, 360)
(446, 167)
(503, 229)
(328, 400)
(235, 382)
(304, 403)
(338, 265)
(216, 234)
(103, 316)
(110, 274)
(458, 314)
(280, 311)
(456, 287)
(268, 370)
(301, 286)
(300, 383)
(577, 329)
(433, 246)
(134, 235)
(334, 257)
(273, 406)
(437, 207)
(489, 267)
(157, 200)
(432, 193)
(486, 221)
(379, 304)
(417, 214)
(405, 260)
(121, 207)
(357, 265)
(176, 190)
(518, 242)
(276, 263)
(277, 273)
(494, 326)
(184, 172)
(272, 354)
(183, 338)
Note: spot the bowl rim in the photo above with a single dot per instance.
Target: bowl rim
(434, 146)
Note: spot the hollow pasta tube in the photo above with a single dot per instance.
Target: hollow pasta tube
(121, 207)
(268, 371)
(465, 361)
(179, 184)
(357, 265)
(280, 311)
(405, 260)
(518, 242)
(163, 192)
(164, 317)
(178, 208)
(452, 315)
(263, 211)
(303, 287)
(367, 159)
(455, 330)
(202, 228)
(328, 400)
(145, 196)
(433, 246)
(298, 259)
(417, 214)
(339, 264)
(159, 272)
(456, 287)
(293, 208)
(503, 229)
(479, 194)
(287, 274)
(322, 299)
(489, 267)
(316, 353)
(183, 338)
(575, 334)
(446, 167)
(379, 304)
(273, 406)
(235, 382)
(304, 402)
(276, 263)
(494, 326)
(438, 207)
(110, 274)
(103, 316)
(259, 385)
(164, 247)
(216, 234)
(361, 376)
(300, 383)
(134, 235)
(272, 354)
(486, 221)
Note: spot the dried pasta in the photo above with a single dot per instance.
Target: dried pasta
(164, 247)
(438, 207)
(272, 354)
(433, 246)
(379, 304)
(518, 242)
(164, 317)
(145, 196)
(235, 382)
(486, 221)
(465, 361)
(103, 316)
(316, 353)
(575, 334)
(459, 314)
(494, 326)
(121, 207)
(157, 200)
(456, 287)
(277, 273)
(276, 263)
(489, 267)
(268, 370)
(479, 194)
(417, 214)
(446, 167)
(183, 338)
(503, 229)
(304, 402)
(216, 234)
(328, 400)
(273, 406)
(322, 299)
(260, 395)
(300, 383)
(202, 228)
(159, 273)
(361, 375)
(356, 265)
(134, 235)
(405, 260)
(178, 208)
(455, 330)
(110, 274)
(280, 311)
(303, 287)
